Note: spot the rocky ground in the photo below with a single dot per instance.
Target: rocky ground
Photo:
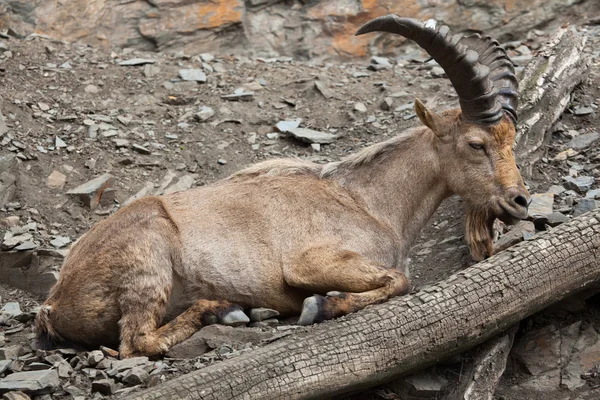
(86, 131)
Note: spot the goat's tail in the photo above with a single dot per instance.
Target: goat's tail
(46, 336)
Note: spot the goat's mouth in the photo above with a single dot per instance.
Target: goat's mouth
(509, 215)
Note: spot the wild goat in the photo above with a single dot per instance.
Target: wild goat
(317, 240)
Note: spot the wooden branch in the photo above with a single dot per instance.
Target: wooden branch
(486, 369)
(545, 89)
(407, 333)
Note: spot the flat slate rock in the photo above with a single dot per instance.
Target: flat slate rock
(35, 382)
(136, 61)
(580, 184)
(261, 314)
(583, 141)
(541, 204)
(311, 136)
(192, 75)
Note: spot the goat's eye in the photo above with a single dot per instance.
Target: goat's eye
(476, 146)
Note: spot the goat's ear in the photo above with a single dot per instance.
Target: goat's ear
(429, 118)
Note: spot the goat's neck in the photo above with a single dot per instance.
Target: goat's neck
(402, 186)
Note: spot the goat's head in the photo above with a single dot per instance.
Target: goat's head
(474, 142)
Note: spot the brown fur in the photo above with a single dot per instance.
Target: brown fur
(275, 233)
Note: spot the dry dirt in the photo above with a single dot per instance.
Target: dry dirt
(38, 93)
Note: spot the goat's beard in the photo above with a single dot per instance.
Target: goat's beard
(479, 232)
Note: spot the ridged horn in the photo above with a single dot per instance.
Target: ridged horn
(479, 69)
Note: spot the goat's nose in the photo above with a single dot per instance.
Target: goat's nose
(519, 200)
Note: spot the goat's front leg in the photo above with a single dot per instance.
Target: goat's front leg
(141, 336)
(349, 281)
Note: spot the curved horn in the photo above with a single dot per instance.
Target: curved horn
(479, 69)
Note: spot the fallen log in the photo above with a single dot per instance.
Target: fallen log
(545, 90)
(408, 333)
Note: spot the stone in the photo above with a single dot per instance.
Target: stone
(64, 369)
(10, 352)
(136, 61)
(312, 136)
(205, 113)
(92, 89)
(381, 61)
(583, 110)
(91, 192)
(33, 382)
(580, 184)
(563, 155)
(422, 384)
(56, 180)
(593, 194)
(8, 178)
(285, 126)
(438, 72)
(584, 141)
(35, 272)
(260, 314)
(324, 90)
(546, 382)
(518, 233)
(360, 107)
(386, 104)
(128, 363)
(59, 143)
(541, 204)
(584, 356)
(105, 387)
(94, 357)
(239, 95)
(17, 395)
(107, 351)
(184, 183)
(11, 242)
(136, 376)
(193, 347)
(9, 311)
(556, 218)
(192, 75)
(584, 206)
(556, 189)
(140, 149)
(539, 350)
(4, 364)
(207, 57)
(151, 70)
(120, 143)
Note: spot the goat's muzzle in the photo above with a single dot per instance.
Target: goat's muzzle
(514, 206)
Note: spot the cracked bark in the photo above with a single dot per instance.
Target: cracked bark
(408, 333)
(545, 90)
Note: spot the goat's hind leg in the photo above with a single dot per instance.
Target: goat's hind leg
(350, 282)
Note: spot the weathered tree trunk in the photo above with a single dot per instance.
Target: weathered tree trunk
(545, 90)
(407, 333)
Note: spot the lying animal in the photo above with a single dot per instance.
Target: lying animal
(317, 240)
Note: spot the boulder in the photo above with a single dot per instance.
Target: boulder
(265, 27)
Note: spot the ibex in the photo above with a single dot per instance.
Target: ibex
(321, 241)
